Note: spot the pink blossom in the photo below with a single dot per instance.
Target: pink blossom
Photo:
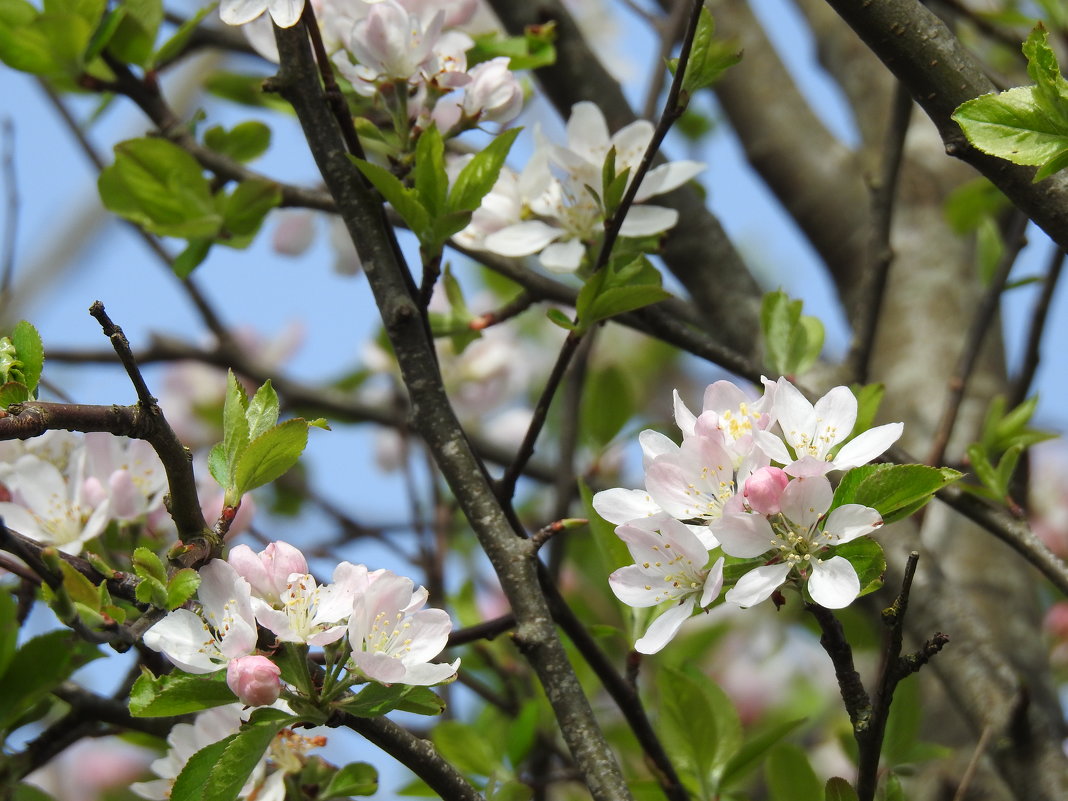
(268, 571)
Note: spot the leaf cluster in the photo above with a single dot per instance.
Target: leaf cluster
(21, 362)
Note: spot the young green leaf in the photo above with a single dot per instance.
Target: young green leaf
(262, 412)
(790, 776)
(270, 455)
(135, 37)
(181, 587)
(178, 41)
(219, 771)
(356, 778)
(431, 182)
(30, 352)
(405, 201)
(838, 789)
(177, 693)
(162, 188)
(244, 142)
(479, 175)
(467, 748)
(246, 208)
(709, 58)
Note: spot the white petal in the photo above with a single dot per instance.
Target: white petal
(648, 220)
(834, 583)
(867, 446)
(587, 132)
(426, 674)
(852, 520)
(667, 177)
(713, 584)
(757, 585)
(521, 239)
(664, 627)
(563, 257)
(238, 12)
(836, 414)
(654, 444)
(285, 13)
(634, 587)
(684, 418)
(773, 446)
(624, 505)
(181, 637)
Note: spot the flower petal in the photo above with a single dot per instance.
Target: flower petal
(238, 12)
(851, 520)
(563, 257)
(805, 500)
(648, 220)
(521, 239)
(744, 535)
(667, 177)
(624, 505)
(834, 583)
(866, 446)
(757, 585)
(665, 627)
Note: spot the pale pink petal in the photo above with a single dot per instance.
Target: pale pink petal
(634, 587)
(836, 414)
(834, 583)
(285, 13)
(654, 444)
(684, 418)
(181, 636)
(744, 535)
(805, 500)
(773, 446)
(426, 674)
(587, 132)
(713, 584)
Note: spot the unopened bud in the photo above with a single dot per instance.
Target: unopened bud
(763, 490)
(255, 680)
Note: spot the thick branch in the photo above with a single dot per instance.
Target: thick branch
(925, 56)
(511, 556)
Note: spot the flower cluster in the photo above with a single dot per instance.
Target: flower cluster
(748, 482)
(549, 209)
(284, 756)
(391, 638)
(63, 489)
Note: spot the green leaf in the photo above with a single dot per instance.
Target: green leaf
(620, 300)
(192, 257)
(245, 142)
(792, 342)
(249, 204)
(235, 423)
(467, 748)
(181, 587)
(159, 186)
(479, 175)
(262, 412)
(530, 51)
(896, 491)
(699, 724)
(866, 556)
(148, 565)
(405, 201)
(1013, 125)
(431, 182)
(218, 465)
(219, 771)
(13, 392)
(246, 90)
(103, 33)
(869, 398)
(30, 352)
(607, 404)
(9, 629)
(178, 41)
(270, 455)
(177, 693)
(356, 778)
(708, 58)
(151, 591)
(377, 699)
(753, 750)
(990, 247)
(1051, 86)
(38, 666)
(135, 38)
(790, 776)
(838, 789)
(971, 202)
(557, 317)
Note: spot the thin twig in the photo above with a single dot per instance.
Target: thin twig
(487, 630)
(1032, 352)
(973, 342)
(513, 308)
(126, 357)
(669, 28)
(834, 642)
(973, 763)
(880, 252)
(505, 486)
(673, 109)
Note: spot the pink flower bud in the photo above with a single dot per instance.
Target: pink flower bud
(763, 490)
(254, 680)
(494, 93)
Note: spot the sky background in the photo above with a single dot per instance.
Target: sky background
(257, 288)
